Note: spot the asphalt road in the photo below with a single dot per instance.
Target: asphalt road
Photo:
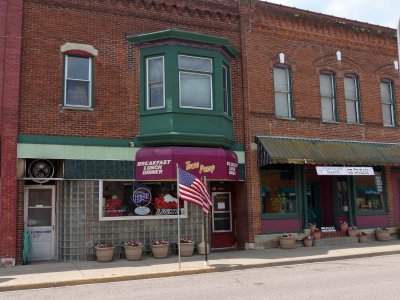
(366, 278)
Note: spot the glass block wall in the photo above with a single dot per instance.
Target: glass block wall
(80, 229)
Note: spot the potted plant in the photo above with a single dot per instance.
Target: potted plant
(362, 237)
(382, 234)
(186, 246)
(308, 241)
(316, 234)
(352, 231)
(133, 250)
(159, 248)
(104, 252)
(287, 241)
(343, 226)
(313, 226)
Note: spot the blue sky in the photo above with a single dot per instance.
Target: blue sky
(380, 12)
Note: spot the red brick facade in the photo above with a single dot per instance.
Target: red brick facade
(10, 45)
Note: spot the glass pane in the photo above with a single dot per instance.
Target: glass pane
(222, 225)
(155, 69)
(221, 202)
(39, 197)
(387, 114)
(342, 194)
(281, 83)
(39, 217)
(77, 93)
(278, 190)
(327, 109)
(385, 92)
(156, 95)
(351, 111)
(350, 88)
(195, 90)
(78, 68)
(281, 105)
(325, 84)
(369, 192)
(195, 63)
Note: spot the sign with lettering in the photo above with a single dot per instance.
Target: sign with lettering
(328, 229)
(159, 163)
(345, 171)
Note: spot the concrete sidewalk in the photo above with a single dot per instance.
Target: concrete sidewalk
(55, 274)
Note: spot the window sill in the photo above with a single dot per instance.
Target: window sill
(131, 218)
(389, 126)
(357, 124)
(62, 107)
(330, 122)
(371, 212)
(286, 118)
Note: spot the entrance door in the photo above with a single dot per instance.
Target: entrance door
(39, 220)
(314, 203)
(223, 235)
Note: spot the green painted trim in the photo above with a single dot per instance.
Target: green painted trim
(279, 216)
(371, 213)
(72, 140)
(75, 152)
(186, 36)
(240, 147)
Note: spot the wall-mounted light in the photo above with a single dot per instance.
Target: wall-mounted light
(338, 55)
(282, 58)
(396, 64)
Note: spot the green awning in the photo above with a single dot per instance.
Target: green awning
(275, 150)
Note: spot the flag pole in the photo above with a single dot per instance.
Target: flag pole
(206, 231)
(178, 215)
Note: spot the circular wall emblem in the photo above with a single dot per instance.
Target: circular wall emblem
(41, 170)
(141, 196)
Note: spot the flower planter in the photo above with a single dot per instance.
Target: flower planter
(133, 253)
(316, 234)
(160, 251)
(362, 238)
(186, 249)
(104, 254)
(313, 226)
(382, 234)
(352, 232)
(344, 226)
(287, 242)
(308, 242)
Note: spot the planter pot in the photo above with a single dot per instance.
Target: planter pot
(344, 227)
(160, 251)
(382, 235)
(186, 249)
(363, 238)
(352, 232)
(287, 242)
(308, 242)
(133, 253)
(317, 235)
(104, 254)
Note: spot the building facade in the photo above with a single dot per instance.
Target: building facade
(290, 117)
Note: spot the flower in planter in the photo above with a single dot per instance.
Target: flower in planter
(288, 235)
(382, 228)
(133, 244)
(186, 241)
(352, 228)
(309, 237)
(343, 222)
(362, 233)
(104, 245)
(159, 242)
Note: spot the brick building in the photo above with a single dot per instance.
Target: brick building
(253, 96)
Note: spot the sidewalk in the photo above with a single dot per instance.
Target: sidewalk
(55, 274)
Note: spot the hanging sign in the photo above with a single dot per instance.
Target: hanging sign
(345, 171)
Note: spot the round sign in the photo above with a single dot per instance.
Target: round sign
(142, 210)
(141, 196)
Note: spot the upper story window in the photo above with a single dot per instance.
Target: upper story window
(388, 103)
(327, 85)
(155, 82)
(225, 89)
(282, 90)
(352, 98)
(78, 81)
(195, 82)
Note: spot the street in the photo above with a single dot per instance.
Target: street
(365, 278)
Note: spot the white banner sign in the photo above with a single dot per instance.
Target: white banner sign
(346, 171)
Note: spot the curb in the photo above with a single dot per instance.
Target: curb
(211, 269)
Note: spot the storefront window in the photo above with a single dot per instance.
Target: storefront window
(278, 190)
(369, 192)
(343, 194)
(120, 200)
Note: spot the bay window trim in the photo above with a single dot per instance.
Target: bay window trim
(148, 107)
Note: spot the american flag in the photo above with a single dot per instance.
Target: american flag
(193, 190)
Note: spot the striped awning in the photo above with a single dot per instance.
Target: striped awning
(275, 150)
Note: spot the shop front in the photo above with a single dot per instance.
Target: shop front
(306, 181)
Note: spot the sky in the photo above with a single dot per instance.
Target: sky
(379, 12)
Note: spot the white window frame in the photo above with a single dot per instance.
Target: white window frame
(127, 218)
(391, 104)
(74, 79)
(209, 74)
(148, 83)
(332, 98)
(356, 100)
(288, 93)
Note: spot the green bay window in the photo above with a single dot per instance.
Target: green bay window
(155, 82)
